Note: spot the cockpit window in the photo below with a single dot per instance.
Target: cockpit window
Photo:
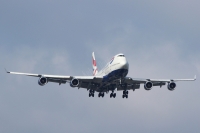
(120, 56)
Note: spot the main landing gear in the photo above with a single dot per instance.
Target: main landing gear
(125, 94)
(101, 94)
(91, 93)
(112, 95)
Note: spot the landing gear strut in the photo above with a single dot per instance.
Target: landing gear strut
(125, 94)
(91, 93)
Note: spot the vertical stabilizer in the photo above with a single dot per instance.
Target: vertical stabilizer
(94, 65)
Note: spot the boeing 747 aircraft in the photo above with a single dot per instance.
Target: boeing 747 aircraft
(112, 77)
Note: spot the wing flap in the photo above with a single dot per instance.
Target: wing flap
(57, 81)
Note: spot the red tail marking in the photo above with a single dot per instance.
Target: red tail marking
(94, 62)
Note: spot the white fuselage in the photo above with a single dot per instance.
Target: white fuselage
(116, 68)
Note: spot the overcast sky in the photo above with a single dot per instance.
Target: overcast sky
(159, 38)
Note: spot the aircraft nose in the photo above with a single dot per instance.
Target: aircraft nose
(124, 64)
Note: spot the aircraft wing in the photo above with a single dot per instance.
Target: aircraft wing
(84, 81)
(134, 83)
(140, 81)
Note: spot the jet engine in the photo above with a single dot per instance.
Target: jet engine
(148, 85)
(171, 86)
(74, 82)
(42, 81)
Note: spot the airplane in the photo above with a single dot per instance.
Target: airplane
(111, 78)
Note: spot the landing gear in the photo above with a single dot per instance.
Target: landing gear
(125, 94)
(91, 93)
(101, 94)
(112, 95)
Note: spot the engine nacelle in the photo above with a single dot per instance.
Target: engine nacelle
(171, 86)
(74, 82)
(148, 85)
(42, 81)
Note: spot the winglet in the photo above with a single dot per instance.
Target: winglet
(6, 70)
(195, 77)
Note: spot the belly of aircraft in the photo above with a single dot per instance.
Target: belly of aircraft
(115, 74)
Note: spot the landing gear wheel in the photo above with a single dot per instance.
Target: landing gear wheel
(111, 95)
(91, 93)
(101, 94)
(124, 96)
(114, 95)
(124, 92)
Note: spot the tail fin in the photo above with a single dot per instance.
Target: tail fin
(94, 65)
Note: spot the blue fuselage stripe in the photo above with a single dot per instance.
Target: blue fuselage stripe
(116, 74)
